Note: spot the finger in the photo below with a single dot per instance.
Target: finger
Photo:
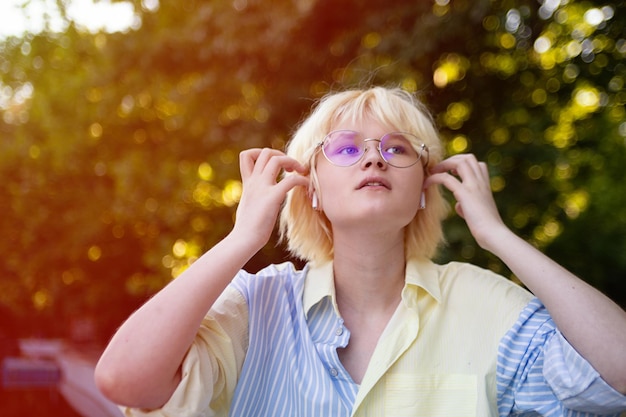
(292, 181)
(447, 165)
(466, 167)
(267, 161)
(264, 158)
(485, 171)
(289, 164)
(453, 163)
(459, 210)
(470, 172)
(475, 167)
(447, 180)
(247, 160)
(281, 162)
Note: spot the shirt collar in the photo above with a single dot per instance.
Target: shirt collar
(421, 274)
(319, 283)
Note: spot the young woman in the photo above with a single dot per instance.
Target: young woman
(370, 327)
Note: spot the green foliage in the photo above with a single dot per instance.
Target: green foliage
(119, 150)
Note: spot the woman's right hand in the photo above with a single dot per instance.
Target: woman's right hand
(263, 191)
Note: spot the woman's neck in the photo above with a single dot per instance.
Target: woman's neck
(369, 271)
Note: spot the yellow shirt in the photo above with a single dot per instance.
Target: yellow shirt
(437, 345)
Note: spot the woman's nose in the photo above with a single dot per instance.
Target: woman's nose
(372, 154)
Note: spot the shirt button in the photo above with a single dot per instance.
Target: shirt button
(339, 331)
(334, 372)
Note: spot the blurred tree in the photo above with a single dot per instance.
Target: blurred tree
(119, 150)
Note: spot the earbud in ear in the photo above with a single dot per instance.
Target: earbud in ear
(423, 201)
(314, 202)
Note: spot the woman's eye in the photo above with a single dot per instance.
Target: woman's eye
(395, 150)
(348, 150)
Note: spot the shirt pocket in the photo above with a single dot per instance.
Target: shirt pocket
(447, 395)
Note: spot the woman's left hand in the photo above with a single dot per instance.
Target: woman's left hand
(468, 180)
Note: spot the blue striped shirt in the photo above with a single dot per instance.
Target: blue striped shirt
(283, 374)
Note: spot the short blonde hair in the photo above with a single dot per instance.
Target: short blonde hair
(308, 232)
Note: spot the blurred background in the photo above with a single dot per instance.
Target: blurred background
(121, 124)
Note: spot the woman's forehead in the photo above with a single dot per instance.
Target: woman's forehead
(360, 121)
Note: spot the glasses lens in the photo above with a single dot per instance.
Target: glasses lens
(397, 150)
(343, 147)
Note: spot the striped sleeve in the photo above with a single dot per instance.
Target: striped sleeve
(526, 387)
(576, 383)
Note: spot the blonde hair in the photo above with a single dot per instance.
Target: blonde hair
(308, 232)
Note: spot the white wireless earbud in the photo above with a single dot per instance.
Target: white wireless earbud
(423, 201)
(314, 202)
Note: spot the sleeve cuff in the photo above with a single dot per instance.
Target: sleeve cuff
(576, 383)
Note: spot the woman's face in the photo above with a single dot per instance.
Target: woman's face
(371, 193)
